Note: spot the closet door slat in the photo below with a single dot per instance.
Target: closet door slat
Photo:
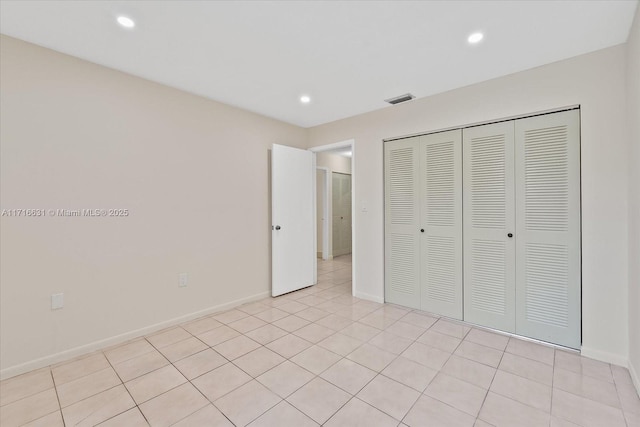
(441, 220)
(489, 218)
(547, 154)
(402, 243)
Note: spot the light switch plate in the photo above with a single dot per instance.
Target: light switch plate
(183, 278)
(57, 301)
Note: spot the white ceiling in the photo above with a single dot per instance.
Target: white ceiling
(347, 55)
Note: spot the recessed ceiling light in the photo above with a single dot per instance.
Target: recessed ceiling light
(305, 99)
(126, 22)
(475, 38)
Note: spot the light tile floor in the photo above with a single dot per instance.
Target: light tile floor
(321, 356)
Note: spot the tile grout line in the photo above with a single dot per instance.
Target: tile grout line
(93, 395)
(187, 380)
(55, 388)
(553, 377)
(352, 396)
(172, 364)
(388, 364)
(491, 383)
(440, 371)
(585, 397)
(286, 359)
(127, 390)
(615, 384)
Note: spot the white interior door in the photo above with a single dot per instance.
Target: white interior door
(293, 219)
(547, 163)
(489, 226)
(441, 223)
(402, 228)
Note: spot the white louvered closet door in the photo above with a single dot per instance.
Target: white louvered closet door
(441, 223)
(548, 227)
(341, 215)
(489, 211)
(402, 244)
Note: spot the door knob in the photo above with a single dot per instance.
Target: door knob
(422, 230)
(510, 235)
(277, 227)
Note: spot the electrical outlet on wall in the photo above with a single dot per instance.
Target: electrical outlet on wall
(57, 301)
(183, 278)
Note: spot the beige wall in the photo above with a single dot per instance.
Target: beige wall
(596, 81)
(193, 174)
(633, 103)
(334, 163)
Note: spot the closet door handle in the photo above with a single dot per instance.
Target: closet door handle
(510, 235)
(422, 230)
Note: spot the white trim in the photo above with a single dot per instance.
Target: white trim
(354, 265)
(498, 331)
(604, 356)
(635, 377)
(315, 219)
(118, 339)
(325, 212)
(330, 147)
(487, 122)
(369, 297)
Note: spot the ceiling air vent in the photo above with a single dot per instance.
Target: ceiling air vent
(399, 99)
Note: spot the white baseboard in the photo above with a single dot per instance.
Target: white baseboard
(368, 297)
(604, 356)
(111, 341)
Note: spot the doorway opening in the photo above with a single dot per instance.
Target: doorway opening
(335, 228)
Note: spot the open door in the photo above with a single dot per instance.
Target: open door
(293, 219)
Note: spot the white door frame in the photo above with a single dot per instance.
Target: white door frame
(342, 144)
(325, 211)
